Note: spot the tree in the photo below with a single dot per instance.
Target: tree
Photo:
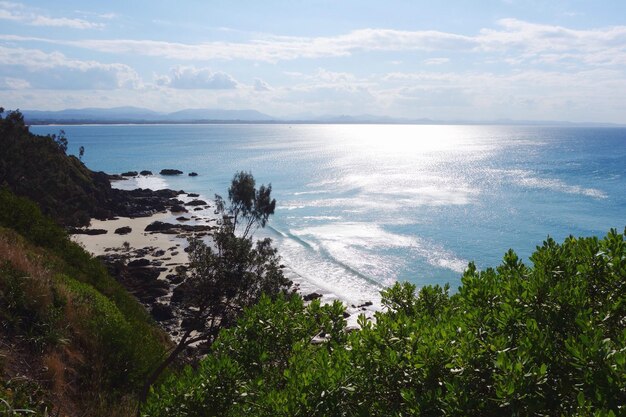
(60, 140)
(249, 208)
(81, 152)
(230, 275)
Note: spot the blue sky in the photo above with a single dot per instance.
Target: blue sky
(474, 60)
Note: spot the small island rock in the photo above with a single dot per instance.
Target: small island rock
(170, 172)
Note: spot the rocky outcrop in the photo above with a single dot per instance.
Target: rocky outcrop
(139, 277)
(145, 173)
(137, 203)
(196, 203)
(163, 227)
(171, 172)
(129, 174)
(162, 312)
(124, 230)
(90, 232)
(193, 174)
(178, 209)
(312, 296)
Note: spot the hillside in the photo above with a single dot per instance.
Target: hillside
(72, 340)
(37, 167)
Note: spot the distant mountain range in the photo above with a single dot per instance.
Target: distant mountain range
(140, 115)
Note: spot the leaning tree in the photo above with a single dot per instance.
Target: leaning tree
(229, 274)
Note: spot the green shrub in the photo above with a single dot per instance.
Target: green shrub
(544, 339)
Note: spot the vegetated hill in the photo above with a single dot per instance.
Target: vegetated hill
(73, 342)
(217, 114)
(37, 167)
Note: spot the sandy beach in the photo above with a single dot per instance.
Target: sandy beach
(165, 248)
(137, 238)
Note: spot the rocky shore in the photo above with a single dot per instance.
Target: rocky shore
(142, 242)
(141, 237)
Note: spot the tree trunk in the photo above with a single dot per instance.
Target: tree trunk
(143, 395)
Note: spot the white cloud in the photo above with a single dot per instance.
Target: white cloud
(19, 13)
(55, 71)
(260, 85)
(436, 61)
(9, 83)
(197, 79)
(513, 41)
(63, 22)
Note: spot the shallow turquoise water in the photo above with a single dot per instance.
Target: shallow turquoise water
(363, 205)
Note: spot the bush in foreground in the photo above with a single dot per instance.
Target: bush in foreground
(545, 339)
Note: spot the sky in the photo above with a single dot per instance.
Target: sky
(453, 60)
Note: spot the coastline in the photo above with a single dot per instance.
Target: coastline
(156, 257)
(172, 246)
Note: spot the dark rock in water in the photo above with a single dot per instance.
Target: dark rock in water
(312, 296)
(158, 253)
(346, 314)
(193, 174)
(145, 172)
(170, 172)
(138, 263)
(183, 219)
(197, 209)
(196, 203)
(366, 304)
(90, 232)
(123, 230)
(129, 174)
(193, 195)
(178, 209)
(162, 312)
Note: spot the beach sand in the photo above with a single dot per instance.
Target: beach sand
(171, 246)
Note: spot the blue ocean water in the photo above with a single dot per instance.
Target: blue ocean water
(360, 206)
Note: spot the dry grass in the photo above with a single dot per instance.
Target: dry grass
(37, 279)
(55, 368)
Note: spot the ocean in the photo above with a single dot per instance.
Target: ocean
(362, 206)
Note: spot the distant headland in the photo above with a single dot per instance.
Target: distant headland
(137, 115)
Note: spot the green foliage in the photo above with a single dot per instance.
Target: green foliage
(21, 397)
(61, 302)
(25, 218)
(37, 167)
(546, 339)
(249, 208)
(120, 355)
